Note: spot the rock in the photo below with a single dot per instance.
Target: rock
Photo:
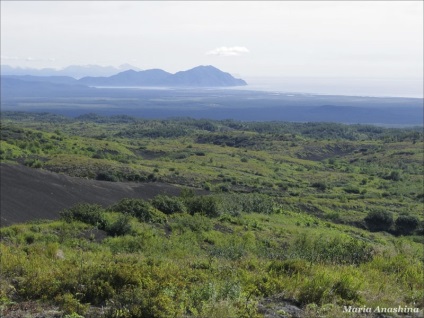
(279, 307)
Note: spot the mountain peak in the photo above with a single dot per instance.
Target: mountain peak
(199, 76)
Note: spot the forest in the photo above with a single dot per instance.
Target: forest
(271, 219)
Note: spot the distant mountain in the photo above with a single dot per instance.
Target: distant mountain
(154, 77)
(200, 76)
(45, 79)
(205, 76)
(16, 87)
(75, 71)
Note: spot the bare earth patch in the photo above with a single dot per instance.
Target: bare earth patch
(29, 194)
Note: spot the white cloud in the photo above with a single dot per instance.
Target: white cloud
(228, 51)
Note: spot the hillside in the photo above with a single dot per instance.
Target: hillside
(272, 220)
(33, 194)
(340, 171)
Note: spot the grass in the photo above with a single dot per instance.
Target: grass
(193, 264)
(284, 218)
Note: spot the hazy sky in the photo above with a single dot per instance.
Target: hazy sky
(381, 39)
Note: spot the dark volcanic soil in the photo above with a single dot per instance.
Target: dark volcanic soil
(28, 194)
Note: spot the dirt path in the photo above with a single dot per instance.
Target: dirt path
(28, 194)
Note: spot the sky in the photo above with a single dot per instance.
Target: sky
(315, 39)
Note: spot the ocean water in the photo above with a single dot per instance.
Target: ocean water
(376, 87)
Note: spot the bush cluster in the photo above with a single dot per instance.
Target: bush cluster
(141, 209)
(380, 220)
(169, 205)
(92, 214)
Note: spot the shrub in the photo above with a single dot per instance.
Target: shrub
(206, 205)
(317, 291)
(88, 213)
(71, 305)
(319, 185)
(379, 220)
(347, 288)
(223, 188)
(406, 224)
(288, 267)
(140, 209)
(258, 203)
(338, 250)
(248, 203)
(394, 176)
(207, 186)
(121, 226)
(352, 190)
(151, 177)
(107, 176)
(168, 205)
(33, 163)
(101, 283)
(196, 223)
(126, 244)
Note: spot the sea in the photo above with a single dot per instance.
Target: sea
(372, 87)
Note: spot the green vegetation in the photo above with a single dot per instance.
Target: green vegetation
(379, 220)
(324, 215)
(195, 265)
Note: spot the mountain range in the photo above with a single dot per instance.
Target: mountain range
(200, 76)
(75, 71)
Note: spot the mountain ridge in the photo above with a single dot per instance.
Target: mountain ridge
(75, 71)
(200, 76)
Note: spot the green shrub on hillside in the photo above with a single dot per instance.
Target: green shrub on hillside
(234, 204)
(168, 205)
(92, 214)
(406, 224)
(142, 210)
(206, 205)
(121, 226)
(107, 176)
(379, 220)
(320, 185)
(196, 223)
(394, 176)
(338, 250)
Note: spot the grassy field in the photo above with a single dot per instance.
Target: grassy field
(314, 216)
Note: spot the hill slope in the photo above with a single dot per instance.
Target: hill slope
(29, 194)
